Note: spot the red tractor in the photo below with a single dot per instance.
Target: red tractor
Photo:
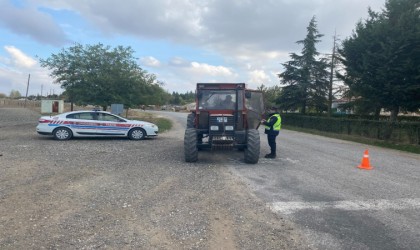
(226, 116)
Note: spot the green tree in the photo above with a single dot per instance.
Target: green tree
(2, 95)
(14, 94)
(152, 93)
(182, 98)
(101, 75)
(270, 94)
(382, 59)
(188, 97)
(305, 76)
(176, 98)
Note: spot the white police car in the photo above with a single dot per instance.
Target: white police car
(94, 124)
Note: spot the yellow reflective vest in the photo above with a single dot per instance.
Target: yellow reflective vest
(277, 125)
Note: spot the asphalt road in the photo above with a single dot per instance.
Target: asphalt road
(315, 183)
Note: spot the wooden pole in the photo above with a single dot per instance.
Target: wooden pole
(27, 88)
(330, 88)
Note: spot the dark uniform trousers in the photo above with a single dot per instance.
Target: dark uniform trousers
(272, 142)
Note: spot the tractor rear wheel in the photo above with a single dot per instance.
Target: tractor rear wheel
(190, 145)
(252, 150)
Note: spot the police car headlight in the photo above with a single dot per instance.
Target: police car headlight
(229, 128)
(214, 128)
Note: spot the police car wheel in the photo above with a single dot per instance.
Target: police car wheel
(136, 134)
(62, 134)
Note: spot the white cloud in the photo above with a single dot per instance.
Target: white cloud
(14, 72)
(18, 58)
(182, 75)
(163, 19)
(150, 61)
(211, 70)
(258, 77)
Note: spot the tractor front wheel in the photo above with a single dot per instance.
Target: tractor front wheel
(190, 145)
(252, 150)
(190, 120)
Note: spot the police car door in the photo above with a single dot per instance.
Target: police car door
(82, 123)
(110, 125)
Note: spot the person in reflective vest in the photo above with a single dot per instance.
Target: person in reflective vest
(272, 129)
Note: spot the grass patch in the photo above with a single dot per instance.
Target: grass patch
(402, 147)
(164, 124)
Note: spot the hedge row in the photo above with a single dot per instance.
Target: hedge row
(398, 132)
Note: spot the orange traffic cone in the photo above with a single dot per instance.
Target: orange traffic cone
(365, 161)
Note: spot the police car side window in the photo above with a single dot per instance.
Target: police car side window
(86, 116)
(75, 116)
(80, 116)
(94, 116)
(107, 117)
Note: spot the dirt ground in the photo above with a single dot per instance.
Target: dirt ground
(117, 193)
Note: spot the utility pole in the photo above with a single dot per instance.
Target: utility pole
(330, 90)
(27, 88)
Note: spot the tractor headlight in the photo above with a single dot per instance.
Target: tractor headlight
(229, 128)
(214, 128)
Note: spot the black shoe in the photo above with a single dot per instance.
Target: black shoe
(270, 156)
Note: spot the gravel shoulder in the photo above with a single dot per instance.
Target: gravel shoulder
(117, 193)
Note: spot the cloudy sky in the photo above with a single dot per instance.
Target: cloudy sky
(182, 42)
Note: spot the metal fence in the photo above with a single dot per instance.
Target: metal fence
(12, 103)
(398, 132)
